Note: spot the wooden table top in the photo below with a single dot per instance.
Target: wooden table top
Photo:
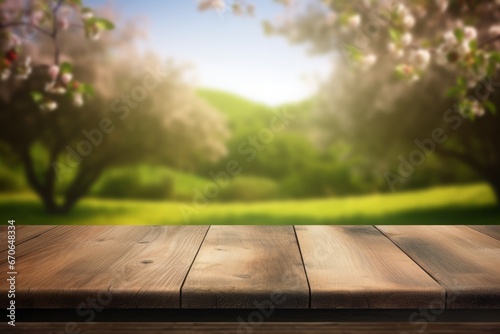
(252, 267)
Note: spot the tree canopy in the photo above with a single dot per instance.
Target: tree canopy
(421, 78)
(75, 102)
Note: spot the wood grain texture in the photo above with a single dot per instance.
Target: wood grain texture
(111, 266)
(23, 233)
(465, 261)
(491, 230)
(358, 267)
(239, 266)
(254, 328)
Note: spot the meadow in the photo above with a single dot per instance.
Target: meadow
(469, 204)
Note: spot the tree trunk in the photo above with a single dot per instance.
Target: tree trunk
(489, 172)
(49, 203)
(81, 185)
(46, 189)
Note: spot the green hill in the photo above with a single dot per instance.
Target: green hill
(243, 114)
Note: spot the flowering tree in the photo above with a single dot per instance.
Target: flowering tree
(459, 36)
(26, 20)
(444, 55)
(445, 51)
(66, 132)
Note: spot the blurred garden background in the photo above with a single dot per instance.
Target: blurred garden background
(263, 112)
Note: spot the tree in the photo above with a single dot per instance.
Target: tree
(444, 55)
(65, 132)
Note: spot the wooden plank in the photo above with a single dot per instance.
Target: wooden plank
(23, 233)
(358, 267)
(255, 328)
(111, 266)
(464, 261)
(245, 266)
(491, 230)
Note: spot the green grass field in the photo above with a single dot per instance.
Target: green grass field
(472, 204)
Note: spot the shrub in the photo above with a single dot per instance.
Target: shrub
(247, 189)
(137, 183)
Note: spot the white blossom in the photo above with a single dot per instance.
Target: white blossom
(398, 52)
(442, 5)
(401, 9)
(24, 69)
(5, 74)
(450, 38)
(354, 21)
(369, 60)
(66, 78)
(48, 106)
(53, 88)
(477, 109)
(421, 58)
(470, 33)
(391, 47)
(78, 99)
(87, 15)
(408, 21)
(472, 83)
(463, 48)
(406, 39)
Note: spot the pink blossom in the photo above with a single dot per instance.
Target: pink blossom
(63, 23)
(53, 71)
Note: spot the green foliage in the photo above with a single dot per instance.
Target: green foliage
(66, 67)
(141, 183)
(10, 181)
(249, 189)
(102, 23)
(289, 151)
(37, 96)
(302, 170)
(459, 34)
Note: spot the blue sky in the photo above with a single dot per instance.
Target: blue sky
(229, 52)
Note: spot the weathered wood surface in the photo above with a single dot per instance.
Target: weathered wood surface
(234, 267)
(23, 233)
(255, 328)
(491, 230)
(466, 262)
(239, 266)
(358, 267)
(110, 266)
